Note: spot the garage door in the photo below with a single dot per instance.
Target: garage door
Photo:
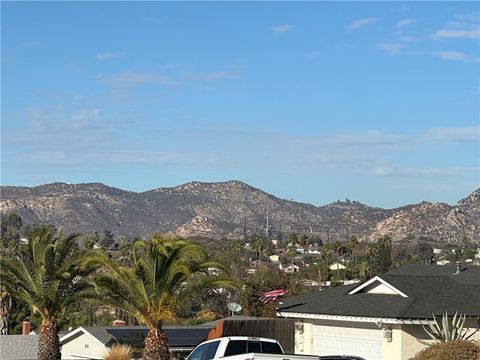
(348, 339)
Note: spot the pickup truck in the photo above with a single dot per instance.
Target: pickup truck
(243, 348)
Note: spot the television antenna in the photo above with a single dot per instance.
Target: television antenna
(233, 308)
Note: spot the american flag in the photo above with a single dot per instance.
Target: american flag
(271, 296)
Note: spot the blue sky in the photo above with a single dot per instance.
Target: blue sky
(374, 101)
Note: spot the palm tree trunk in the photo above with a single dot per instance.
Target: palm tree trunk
(48, 342)
(5, 308)
(156, 345)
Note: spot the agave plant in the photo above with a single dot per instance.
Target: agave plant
(447, 330)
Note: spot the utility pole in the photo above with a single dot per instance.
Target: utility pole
(266, 229)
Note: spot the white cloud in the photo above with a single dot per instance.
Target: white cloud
(232, 72)
(404, 22)
(281, 28)
(454, 134)
(357, 24)
(457, 34)
(462, 26)
(399, 171)
(391, 48)
(101, 56)
(454, 55)
(128, 79)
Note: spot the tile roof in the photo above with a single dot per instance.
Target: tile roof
(429, 289)
(18, 347)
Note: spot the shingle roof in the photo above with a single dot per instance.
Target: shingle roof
(18, 347)
(429, 289)
(178, 336)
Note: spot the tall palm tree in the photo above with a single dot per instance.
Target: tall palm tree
(48, 277)
(5, 308)
(147, 290)
(353, 244)
(304, 242)
(259, 247)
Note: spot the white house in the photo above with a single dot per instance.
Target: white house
(381, 319)
(336, 266)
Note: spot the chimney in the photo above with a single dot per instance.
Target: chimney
(458, 265)
(118, 323)
(26, 328)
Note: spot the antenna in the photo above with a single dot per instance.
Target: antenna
(233, 308)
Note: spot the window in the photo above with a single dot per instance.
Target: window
(236, 347)
(198, 354)
(254, 346)
(271, 348)
(211, 351)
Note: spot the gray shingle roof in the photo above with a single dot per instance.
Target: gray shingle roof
(18, 347)
(178, 336)
(429, 289)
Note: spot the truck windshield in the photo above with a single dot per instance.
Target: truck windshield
(236, 347)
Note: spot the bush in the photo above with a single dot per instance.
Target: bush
(119, 352)
(450, 350)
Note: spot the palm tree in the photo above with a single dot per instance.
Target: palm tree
(353, 243)
(259, 247)
(48, 277)
(147, 290)
(371, 253)
(304, 242)
(5, 308)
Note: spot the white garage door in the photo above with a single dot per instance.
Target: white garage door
(348, 339)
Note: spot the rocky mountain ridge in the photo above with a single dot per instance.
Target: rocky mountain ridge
(230, 209)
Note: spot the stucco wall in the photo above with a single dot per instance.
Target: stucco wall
(85, 346)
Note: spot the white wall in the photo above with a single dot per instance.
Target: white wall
(84, 347)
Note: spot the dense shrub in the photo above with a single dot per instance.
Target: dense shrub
(119, 352)
(450, 350)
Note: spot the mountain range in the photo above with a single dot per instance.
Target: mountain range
(232, 209)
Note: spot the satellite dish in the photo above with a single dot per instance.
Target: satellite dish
(234, 308)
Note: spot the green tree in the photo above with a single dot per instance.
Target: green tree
(259, 246)
(148, 289)
(304, 242)
(48, 278)
(353, 244)
(5, 309)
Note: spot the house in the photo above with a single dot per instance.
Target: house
(291, 269)
(92, 342)
(336, 266)
(382, 318)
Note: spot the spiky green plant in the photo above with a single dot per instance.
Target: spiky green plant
(48, 277)
(447, 330)
(149, 289)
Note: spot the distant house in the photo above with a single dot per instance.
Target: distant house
(92, 342)
(274, 259)
(336, 266)
(382, 318)
(443, 262)
(291, 269)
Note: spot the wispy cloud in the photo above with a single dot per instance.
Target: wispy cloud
(232, 72)
(462, 26)
(455, 56)
(127, 79)
(400, 171)
(102, 56)
(454, 134)
(404, 22)
(457, 34)
(391, 48)
(360, 23)
(281, 28)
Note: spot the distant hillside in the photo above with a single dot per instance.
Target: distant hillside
(217, 210)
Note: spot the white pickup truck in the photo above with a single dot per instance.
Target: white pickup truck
(243, 348)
